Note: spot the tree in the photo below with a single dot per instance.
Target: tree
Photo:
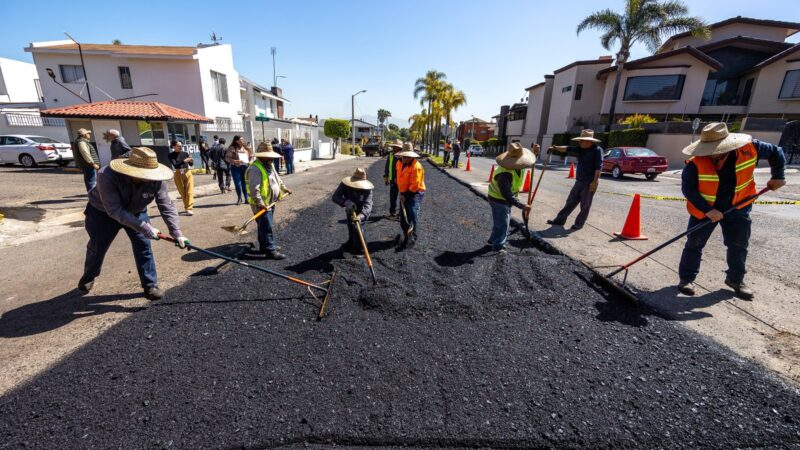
(646, 21)
(337, 129)
(427, 89)
(116, 42)
(418, 123)
(451, 99)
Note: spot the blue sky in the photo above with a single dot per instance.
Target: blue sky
(492, 50)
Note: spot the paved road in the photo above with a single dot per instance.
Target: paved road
(766, 329)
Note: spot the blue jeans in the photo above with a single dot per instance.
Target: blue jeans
(237, 172)
(501, 217)
(266, 238)
(289, 165)
(102, 230)
(412, 202)
(736, 235)
(89, 177)
(456, 156)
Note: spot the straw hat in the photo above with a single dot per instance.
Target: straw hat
(397, 144)
(516, 157)
(586, 135)
(408, 151)
(715, 139)
(358, 180)
(265, 151)
(142, 164)
(83, 131)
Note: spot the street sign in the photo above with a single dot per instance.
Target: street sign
(695, 124)
(262, 119)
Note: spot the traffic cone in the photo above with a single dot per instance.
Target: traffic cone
(526, 185)
(491, 173)
(469, 167)
(633, 224)
(571, 170)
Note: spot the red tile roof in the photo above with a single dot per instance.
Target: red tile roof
(113, 109)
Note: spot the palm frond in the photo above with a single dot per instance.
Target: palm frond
(604, 20)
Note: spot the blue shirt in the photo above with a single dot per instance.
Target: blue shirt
(589, 161)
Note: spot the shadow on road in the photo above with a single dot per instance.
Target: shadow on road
(320, 262)
(225, 249)
(48, 315)
(554, 232)
(679, 307)
(457, 259)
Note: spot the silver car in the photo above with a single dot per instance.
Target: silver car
(475, 150)
(31, 151)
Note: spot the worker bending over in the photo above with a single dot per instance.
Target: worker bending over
(265, 187)
(503, 191)
(354, 194)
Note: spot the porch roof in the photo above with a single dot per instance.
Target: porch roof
(114, 109)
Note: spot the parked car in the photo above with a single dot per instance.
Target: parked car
(475, 150)
(31, 151)
(621, 160)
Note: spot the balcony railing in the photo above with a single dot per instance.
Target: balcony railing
(233, 126)
(32, 120)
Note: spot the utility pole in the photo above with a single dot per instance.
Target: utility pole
(353, 120)
(83, 66)
(274, 77)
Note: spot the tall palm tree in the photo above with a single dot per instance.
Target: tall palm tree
(451, 99)
(418, 123)
(382, 116)
(427, 88)
(646, 21)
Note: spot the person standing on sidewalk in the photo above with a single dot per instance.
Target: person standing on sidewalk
(456, 153)
(184, 179)
(390, 177)
(238, 157)
(411, 184)
(202, 146)
(288, 156)
(119, 148)
(124, 189)
(276, 147)
(354, 194)
(447, 149)
(503, 191)
(86, 158)
(264, 187)
(719, 174)
(587, 178)
(222, 171)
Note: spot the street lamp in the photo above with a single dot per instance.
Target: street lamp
(276, 79)
(353, 120)
(83, 66)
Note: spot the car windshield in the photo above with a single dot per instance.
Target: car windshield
(42, 140)
(639, 152)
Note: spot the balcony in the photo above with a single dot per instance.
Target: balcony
(32, 120)
(224, 126)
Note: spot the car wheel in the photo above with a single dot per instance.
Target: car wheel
(651, 176)
(27, 160)
(616, 172)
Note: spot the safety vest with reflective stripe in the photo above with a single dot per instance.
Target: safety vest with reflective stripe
(516, 183)
(266, 191)
(708, 180)
(391, 166)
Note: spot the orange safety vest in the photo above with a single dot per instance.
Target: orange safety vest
(708, 179)
(411, 178)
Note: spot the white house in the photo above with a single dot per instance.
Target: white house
(18, 82)
(361, 129)
(538, 112)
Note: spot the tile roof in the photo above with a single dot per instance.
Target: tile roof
(777, 57)
(114, 109)
(791, 26)
(154, 50)
(697, 54)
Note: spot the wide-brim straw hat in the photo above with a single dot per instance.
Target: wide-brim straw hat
(715, 139)
(586, 135)
(358, 180)
(407, 154)
(516, 157)
(265, 150)
(398, 144)
(142, 164)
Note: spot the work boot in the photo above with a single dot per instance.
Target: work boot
(553, 222)
(392, 216)
(686, 288)
(575, 227)
(85, 286)
(276, 255)
(153, 293)
(740, 290)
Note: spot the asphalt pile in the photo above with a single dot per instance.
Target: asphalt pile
(456, 346)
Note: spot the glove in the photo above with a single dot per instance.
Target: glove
(386, 181)
(151, 232)
(360, 217)
(182, 242)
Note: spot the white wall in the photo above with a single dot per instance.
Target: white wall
(672, 145)
(533, 119)
(57, 133)
(514, 128)
(17, 81)
(561, 102)
(767, 87)
(219, 58)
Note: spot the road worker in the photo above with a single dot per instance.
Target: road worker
(390, 177)
(354, 194)
(587, 178)
(506, 183)
(265, 187)
(411, 184)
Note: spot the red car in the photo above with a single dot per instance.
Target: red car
(621, 160)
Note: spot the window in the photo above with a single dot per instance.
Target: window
(151, 133)
(748, 90)
(220, 84)
(566, 89)
(578, 91)
(655, 87)
(125, 77)
(791, 85)
(613, 153)
(639, 151)
(72, 74)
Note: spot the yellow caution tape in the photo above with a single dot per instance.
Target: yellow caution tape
(682, 199)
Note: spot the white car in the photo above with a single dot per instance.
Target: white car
(475, 150)
(31, 151)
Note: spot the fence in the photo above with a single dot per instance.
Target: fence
(224, 126)
(32, 120)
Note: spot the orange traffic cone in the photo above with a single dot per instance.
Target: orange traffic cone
(633, 224)
(526, 185)
(491, 173)
(571, 170)
(469, 166)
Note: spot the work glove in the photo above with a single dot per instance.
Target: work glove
(182, 242)
(261, 205)
(593, 186)
(386, 181)
(151, 232)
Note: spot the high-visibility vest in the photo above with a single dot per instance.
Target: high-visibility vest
(266, 191)
(516, 183)
(708, 179)
(391, 166)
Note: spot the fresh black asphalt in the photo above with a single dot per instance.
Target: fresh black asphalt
(455, 347)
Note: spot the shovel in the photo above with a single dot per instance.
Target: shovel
(410, 229)
(241, 230)
(531, 196)
(355, 220)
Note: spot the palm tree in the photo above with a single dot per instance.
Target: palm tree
(382, 116)
(646, 21)
(418, 123)
(451, 99)
(427, 88)
(116, 42)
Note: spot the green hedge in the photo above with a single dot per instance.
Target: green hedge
(632, 137)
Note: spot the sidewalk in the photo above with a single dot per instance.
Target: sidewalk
(765, 330)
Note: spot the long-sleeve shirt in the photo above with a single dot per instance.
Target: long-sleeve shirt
(288, 152)
(120, 148)
(590, 160)
(122, 199)
(88, 155)
(178, 160)
(232, 154)
(504, 183)
(361, 198)
(276, 186)
(410, 177)
(727, 177)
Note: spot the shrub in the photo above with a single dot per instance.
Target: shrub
(347, 149)
(632, 137)
(736, 126)
(637, 120)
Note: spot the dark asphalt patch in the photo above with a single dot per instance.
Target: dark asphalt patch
(455, 347)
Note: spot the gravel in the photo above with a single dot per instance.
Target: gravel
(455, 347)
